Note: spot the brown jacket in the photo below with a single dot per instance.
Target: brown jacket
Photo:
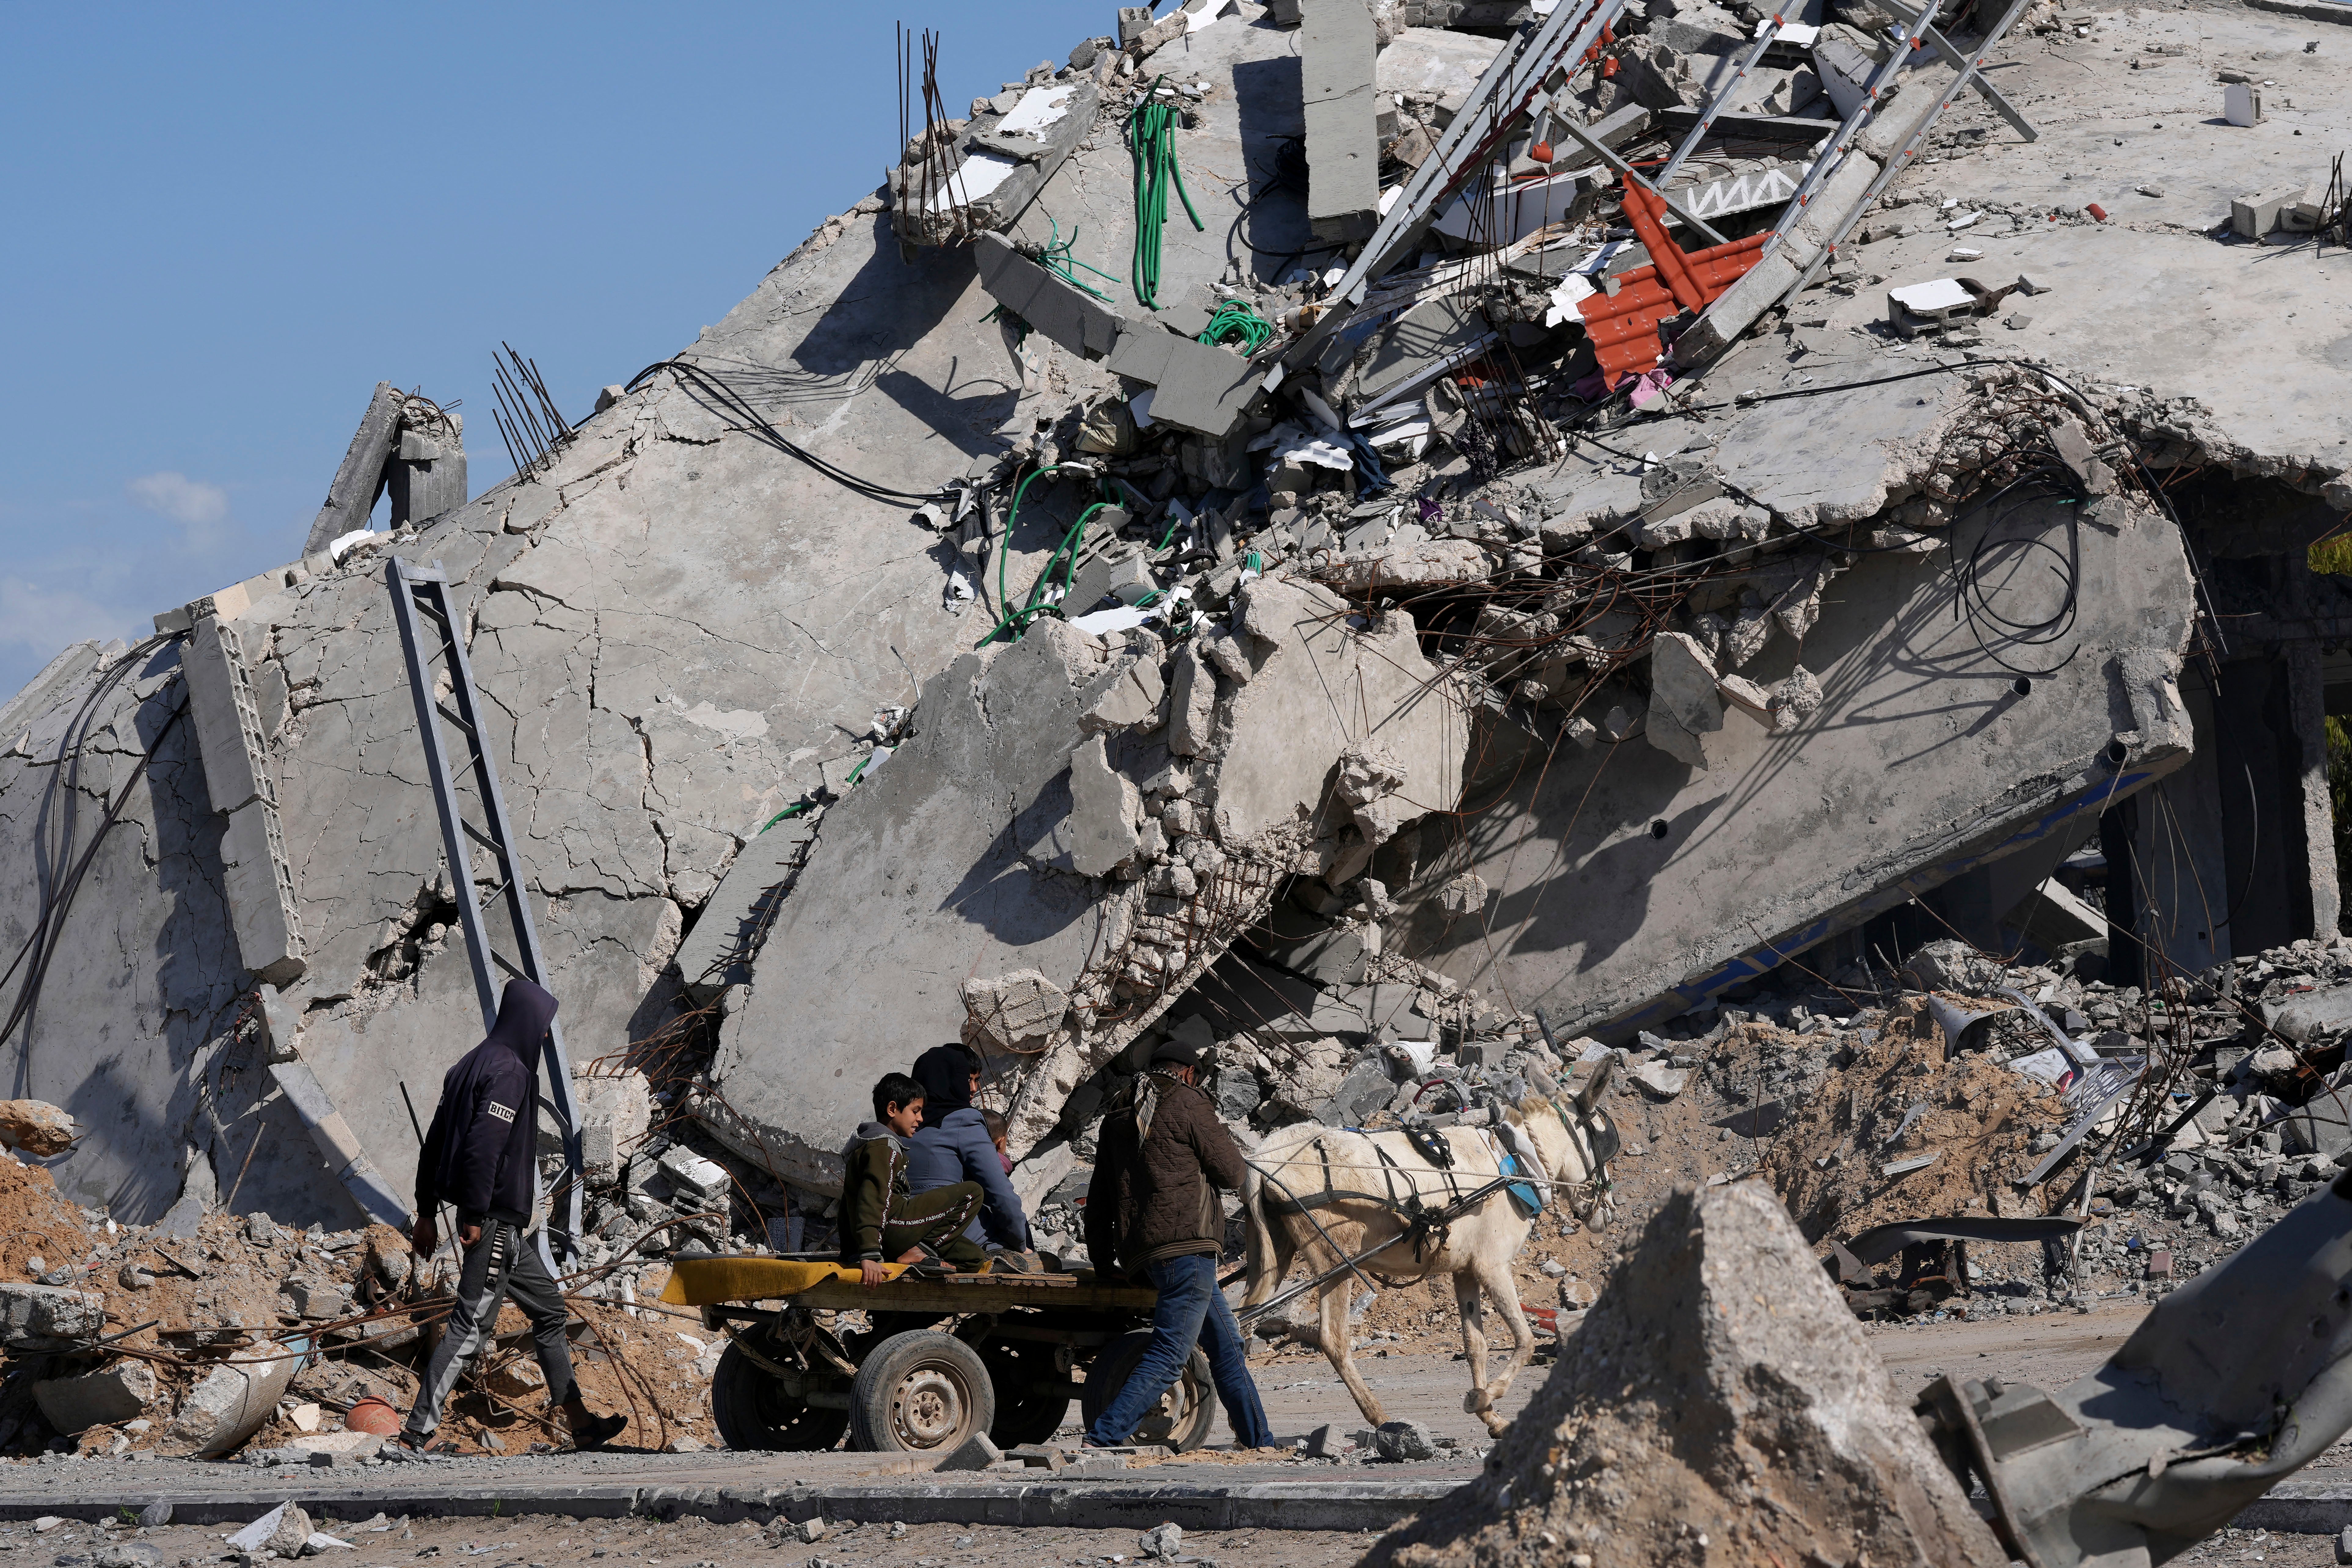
(1158, 1200)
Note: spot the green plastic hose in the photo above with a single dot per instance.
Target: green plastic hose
(1152, 135)
(1233, 320)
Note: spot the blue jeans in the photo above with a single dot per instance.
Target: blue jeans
(1190, 1310)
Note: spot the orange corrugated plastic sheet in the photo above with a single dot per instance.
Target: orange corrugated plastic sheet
(1623, 327)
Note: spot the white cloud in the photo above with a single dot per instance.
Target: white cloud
(41, 620)
(183, 499)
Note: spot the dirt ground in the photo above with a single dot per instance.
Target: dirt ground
(540, 1541)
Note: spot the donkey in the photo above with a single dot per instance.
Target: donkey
(1327, 1194)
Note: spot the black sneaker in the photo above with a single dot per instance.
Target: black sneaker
(599, 1431)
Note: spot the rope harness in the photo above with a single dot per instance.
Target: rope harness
(1426, 1225)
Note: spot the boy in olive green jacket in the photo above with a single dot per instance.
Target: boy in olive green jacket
(880, 1221)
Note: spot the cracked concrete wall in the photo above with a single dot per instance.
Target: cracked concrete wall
(1621, 886)
(954, 871)
(680, 625)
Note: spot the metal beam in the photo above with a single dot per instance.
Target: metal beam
(1696, 224)
(1959, 62)
(1715, 105)
(1904, 154)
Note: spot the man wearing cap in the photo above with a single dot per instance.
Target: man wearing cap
(1152, 1213)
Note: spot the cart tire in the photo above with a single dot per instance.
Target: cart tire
(920, 1392)
(753, 1412)
(1024, 1418)
(1185, 1413)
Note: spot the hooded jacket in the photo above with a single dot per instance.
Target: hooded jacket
(953, 1146)
(1153, 1195)
(481, 1151)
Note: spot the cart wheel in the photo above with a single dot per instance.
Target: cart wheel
(755, 1412)
(1185, 1413)
(1023, 1417)
(920, 1392)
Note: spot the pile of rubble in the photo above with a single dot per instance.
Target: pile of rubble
(240, 1338)
(1718, 1403)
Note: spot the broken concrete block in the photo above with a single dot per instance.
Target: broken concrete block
(1013, 1012)
(1721, 1364)
(1006, 156)
(1404, 1442)
(1100, 832)
(1683, 683)
(1065, 313)
(975, 1453)
(1338, 46)
(37, 1127)
(107, 1397)
(1367, 1088)
(230, 1404)
(1191, 705)
(1195, 386)
(720, 949)
(41, 1317)
(705, 1180)
(259, 884)
(2075, 448)
(2254, 217)
(359, 479)
(1370, 779)
(1662, 1082)
(227, 717)
(1795, 700)
(428, 476)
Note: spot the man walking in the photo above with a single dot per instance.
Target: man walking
(479, 1157)
(1152, 1211)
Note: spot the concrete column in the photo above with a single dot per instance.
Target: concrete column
(2307, 786)
(1339, 48)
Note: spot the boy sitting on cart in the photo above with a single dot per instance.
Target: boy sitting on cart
(881, 1221)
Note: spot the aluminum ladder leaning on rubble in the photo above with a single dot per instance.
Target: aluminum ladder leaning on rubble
(428, 620)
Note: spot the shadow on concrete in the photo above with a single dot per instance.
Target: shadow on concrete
(1273, 225)
(887, 306)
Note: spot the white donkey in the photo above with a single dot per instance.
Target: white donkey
(1328, 1194)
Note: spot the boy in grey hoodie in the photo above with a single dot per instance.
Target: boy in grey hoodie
(881, 1221)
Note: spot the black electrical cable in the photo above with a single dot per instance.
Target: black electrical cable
(51, 923)
(754, 426)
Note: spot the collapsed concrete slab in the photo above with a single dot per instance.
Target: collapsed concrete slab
(1043, 886)
(1064, 313)
(1338, 50)
(1717, 1368)
(1624, 888)
(1010, 150)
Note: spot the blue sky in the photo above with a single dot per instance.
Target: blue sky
(228, 223)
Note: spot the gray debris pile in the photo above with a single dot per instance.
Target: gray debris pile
(221, 1337)
(1716, 1366)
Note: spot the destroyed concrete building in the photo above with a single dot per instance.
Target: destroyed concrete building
(1406, 576)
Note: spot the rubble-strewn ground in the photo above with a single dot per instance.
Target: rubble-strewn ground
(556, 1543)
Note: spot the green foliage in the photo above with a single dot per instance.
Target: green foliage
(2332, 555)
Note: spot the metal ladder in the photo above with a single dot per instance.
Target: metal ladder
(431, 640)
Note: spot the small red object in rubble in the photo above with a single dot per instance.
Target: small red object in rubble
(1540, 151)
(375, 1416)
(2097, 212)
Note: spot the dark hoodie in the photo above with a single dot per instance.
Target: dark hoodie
(479, 1152)
(953, 1146)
